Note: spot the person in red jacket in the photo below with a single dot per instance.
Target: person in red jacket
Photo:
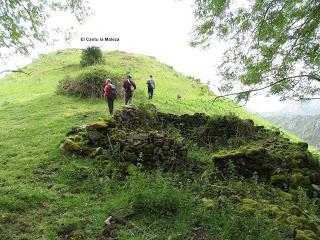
(110, 94)
(129, 86)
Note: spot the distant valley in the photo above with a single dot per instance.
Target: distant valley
(305, 126)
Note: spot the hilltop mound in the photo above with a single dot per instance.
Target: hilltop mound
(163, 172)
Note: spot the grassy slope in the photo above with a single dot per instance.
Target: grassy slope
(35, 196)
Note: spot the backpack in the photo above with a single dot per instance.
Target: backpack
(131, 87)
(113, 91)
(150, 83)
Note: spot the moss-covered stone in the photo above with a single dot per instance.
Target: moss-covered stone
(247, 161)
(130, 157)
(279, 180)
(131, 169)
(284, 195)
(276, 212)
(276, 160)
(208, 203)
(151, 137)
(221, 128)
(75, 147)
(287, 217)
(298, 179)
(306, 235)
(96, 152)
(154, 148)
(249, 206)
(137, 139)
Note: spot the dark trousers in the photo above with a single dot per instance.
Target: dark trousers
(150, 93)
(127, 98)
(110, 104)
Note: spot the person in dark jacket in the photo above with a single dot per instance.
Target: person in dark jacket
(129, 87)
(151, 86)
(110, 94)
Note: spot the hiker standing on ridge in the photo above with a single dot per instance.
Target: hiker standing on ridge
(129, 87)
(110, 94)
(151, 86)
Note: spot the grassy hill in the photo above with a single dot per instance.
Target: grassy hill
(48, 194)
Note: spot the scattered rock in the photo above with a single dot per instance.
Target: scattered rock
(198, 233)
(65, 232)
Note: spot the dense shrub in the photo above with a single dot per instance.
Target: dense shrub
(91, 56)
(89, 84)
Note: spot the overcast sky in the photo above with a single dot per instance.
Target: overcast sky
(157, 28)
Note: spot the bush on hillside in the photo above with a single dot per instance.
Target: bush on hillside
(89, 84)
(91, 56)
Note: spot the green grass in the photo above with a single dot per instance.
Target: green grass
(43, 191)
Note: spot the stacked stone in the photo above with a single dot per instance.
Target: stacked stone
(127, 115)
(150, 148)
(132, 118)
(183, 122)
(155, 148)
(219, 129)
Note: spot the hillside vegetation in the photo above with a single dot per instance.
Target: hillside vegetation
(54, 184)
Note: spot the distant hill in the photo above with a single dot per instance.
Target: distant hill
(304, 126)
(297, 108)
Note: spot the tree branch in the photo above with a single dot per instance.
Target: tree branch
(314, 77)
(17, 71)
(307, 99)
(268, 86)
